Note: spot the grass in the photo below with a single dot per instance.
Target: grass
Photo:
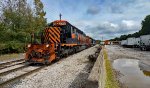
(110, 81)
(8, 57)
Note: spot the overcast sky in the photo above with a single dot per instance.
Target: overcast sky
(100, 18)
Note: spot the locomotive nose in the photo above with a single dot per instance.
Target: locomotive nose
(40, 50)
(36, 54)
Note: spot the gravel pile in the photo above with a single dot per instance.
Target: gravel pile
(70, 72)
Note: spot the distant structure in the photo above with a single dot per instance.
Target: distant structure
(107, 42)
(60, 16)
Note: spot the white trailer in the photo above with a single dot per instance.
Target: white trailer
(145, 42)
(137, 42)
(131, 42)
(124, 42)
(102, 42)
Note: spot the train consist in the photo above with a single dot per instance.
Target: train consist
(58, 39)
(142, 42)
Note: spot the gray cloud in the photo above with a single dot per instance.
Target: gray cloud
(101, 17)
(110, 30)
(93, 10)
(116, 9)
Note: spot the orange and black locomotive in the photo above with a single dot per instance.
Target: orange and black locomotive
(58, 39)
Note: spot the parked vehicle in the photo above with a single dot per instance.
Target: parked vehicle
(124, 42)
(107, 42)
(145, 42)
(131, 42)
(137, 42)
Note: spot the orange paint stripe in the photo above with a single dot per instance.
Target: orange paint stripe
(57, 29)
(47, 37)
(68, 44)
(50, 35)
(54, 35)
(54, 31)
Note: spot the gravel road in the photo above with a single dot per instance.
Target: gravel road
(130, 73)
(116, 52)
(70, 72)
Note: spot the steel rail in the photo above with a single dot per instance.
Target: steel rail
(2, 84)
(12, 70)
(9, 62)
(11, 65)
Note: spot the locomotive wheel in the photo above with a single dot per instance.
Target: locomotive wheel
(27, 62)
(143, 48)
(57, 59)
(47, 62)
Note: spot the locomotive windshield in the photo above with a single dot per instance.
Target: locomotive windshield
(37, 38)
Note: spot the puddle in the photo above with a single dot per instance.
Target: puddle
(132, 77)
(146, 73)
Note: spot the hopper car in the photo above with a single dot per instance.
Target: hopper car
(58, 39)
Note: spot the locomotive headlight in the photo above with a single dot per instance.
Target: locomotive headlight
(47, 45)
(29, 45)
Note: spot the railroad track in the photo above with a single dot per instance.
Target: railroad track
(12, 70)
(19, 72)
(11, 63)
(4, 67)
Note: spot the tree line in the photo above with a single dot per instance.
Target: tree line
(18, 19)
(144, 30)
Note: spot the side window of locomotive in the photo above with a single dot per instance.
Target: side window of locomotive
(69, 31)
(73, 30)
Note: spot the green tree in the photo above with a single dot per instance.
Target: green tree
(39, 12)
(145, 26)
(17, 21)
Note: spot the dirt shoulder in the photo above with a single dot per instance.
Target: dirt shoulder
(10, 57)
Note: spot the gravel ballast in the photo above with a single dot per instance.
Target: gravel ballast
(70, 72)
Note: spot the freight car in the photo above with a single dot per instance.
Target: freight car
(131, 42)
(124, 42)
(58, 39)
(137, 42)
(145, 42)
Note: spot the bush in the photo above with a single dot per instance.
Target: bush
(12, 47)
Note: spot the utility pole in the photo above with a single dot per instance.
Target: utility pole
(60, 16)
(102, 40)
